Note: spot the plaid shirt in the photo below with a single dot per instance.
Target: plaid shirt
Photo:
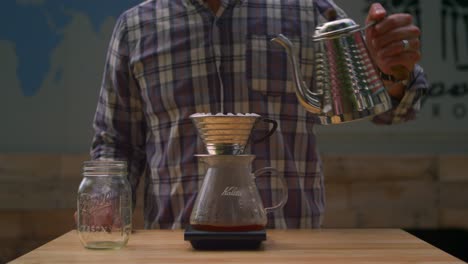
(169, 59)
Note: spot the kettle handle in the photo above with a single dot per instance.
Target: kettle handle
(283, 187)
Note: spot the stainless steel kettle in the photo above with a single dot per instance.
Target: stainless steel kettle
(346, 85)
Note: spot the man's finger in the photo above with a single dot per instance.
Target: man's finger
(392, 22)
(376, 13)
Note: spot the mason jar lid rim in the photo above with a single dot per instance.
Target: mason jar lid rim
(105, 161)
(104, 168)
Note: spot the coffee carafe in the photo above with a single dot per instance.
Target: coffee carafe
(346, 85)
(228, 200)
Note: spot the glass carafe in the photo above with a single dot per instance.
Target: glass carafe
(229, 199)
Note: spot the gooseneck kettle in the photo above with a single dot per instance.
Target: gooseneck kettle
(346, 85)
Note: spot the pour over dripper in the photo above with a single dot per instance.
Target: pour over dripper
(229, 134)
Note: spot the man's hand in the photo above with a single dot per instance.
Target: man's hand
(386, 40)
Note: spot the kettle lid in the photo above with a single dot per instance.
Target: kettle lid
(335, 28)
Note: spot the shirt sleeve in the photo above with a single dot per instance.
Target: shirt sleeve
(119, 123)
(409, 106)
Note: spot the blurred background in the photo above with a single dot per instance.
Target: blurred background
(412, 176)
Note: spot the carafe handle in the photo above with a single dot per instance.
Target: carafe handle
(283, 186)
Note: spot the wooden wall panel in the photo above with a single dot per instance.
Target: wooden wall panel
(38, 192)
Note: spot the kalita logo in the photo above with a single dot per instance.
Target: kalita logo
(231, 191)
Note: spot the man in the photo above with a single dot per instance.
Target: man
(169, 59)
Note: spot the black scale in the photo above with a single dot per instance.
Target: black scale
(216, 240)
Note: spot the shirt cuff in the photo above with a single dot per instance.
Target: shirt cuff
(406, 109)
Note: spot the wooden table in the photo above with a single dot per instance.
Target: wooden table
(282, 246)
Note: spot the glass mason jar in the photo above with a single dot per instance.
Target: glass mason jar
(104, 205)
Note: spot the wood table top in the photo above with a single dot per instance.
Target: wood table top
(282, 246)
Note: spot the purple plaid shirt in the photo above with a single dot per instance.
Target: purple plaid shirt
(169, 59)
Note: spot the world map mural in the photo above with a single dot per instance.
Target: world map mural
(36, 29)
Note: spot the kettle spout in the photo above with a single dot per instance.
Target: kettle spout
(311, 101)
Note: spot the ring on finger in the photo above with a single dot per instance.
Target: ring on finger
(406, 44)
